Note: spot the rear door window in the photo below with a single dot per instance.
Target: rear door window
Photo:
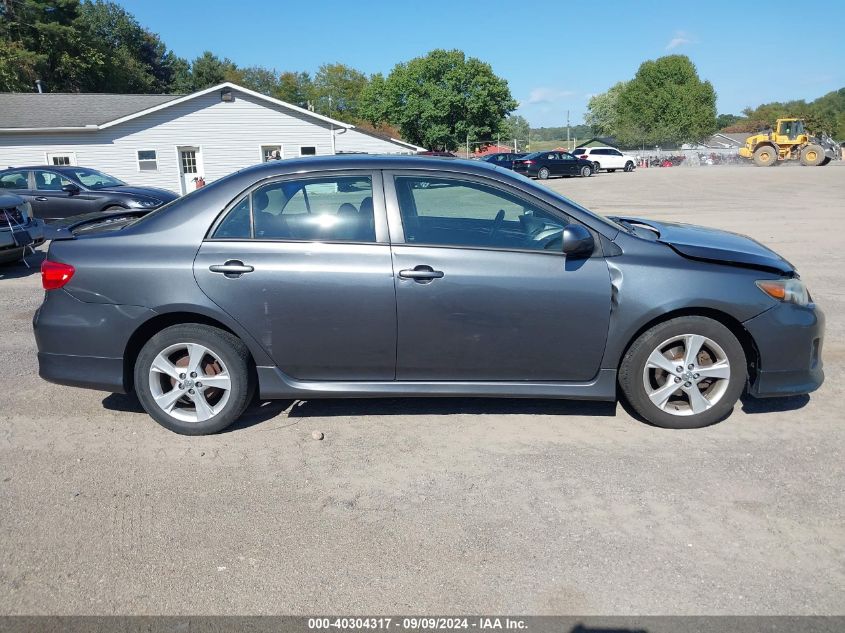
(336, 208)
(14, 180)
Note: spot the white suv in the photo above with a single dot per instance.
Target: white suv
(607, 158)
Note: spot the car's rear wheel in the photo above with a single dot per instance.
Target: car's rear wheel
(586, 172)
(684, 373)
(596, 166)
(543, 174)
(611, 171)
(194, 379)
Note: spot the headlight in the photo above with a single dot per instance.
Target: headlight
(787, 290)
(147, 202)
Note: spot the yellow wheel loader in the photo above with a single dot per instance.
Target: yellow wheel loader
(790, 141)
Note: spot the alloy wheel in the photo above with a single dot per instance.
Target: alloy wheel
(189, 382)
(686, 374)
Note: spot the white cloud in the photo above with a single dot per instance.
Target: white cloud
(547, 95)
(681, 38)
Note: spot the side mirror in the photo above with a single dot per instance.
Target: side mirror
(71, 188)
(577, 241)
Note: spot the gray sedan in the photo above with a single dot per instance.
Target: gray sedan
(364, 276)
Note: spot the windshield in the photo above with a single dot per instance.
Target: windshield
(93, 179)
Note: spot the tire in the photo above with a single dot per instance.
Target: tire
(629, 166)
(612, 171)
(224, 357)
(586, 172)
(765, 156)
(826, 161)
(596, 166)
(543, 174)
(645, 382)
(812, 155)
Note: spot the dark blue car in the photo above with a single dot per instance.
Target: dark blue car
(502, 159)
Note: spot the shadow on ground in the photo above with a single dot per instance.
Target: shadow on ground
(18, 269)
(263, 410)
(773, 405)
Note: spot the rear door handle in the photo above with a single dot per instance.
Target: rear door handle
(41, 199)
(232, 268)
(421, 273)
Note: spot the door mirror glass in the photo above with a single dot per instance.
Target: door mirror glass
(577, 241)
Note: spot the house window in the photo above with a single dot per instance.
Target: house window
(60, 159)
(307, 151)
(147, 160)
(270, 152)
(189, 161)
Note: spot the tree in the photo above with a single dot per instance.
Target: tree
(260, 79)
(43, 39)
(135, 60)
(515, 127)
(209, 70)
(602, 113)
(727, 120)
(443, 98)
(337, 91)
(295, 88)
(666, 102)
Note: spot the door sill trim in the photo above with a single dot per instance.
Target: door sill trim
(273, 384)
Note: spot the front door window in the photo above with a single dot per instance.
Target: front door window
(446, 212)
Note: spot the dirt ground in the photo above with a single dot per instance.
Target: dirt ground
(439, 506)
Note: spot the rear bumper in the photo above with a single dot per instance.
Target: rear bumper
(90, 372)
(82, 344)
(789, 339)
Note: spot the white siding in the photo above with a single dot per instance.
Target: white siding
(228, 134)
(355, 141)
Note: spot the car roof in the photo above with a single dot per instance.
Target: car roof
(367, 161)
(53, 167)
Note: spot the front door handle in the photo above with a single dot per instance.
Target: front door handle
(41, 199)
(232, 268)
(422, 274)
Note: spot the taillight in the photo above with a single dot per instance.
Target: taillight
(528, 162)
(54, 275)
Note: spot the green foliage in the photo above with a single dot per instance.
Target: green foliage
(727, 120)
(337, 90)
(515, 127)
(825, 114)
(208, 70)
(666, 102)
(41, 39)
(559, 133)
(295, 88)
(602, 113)
(441, 99)
(258, 78)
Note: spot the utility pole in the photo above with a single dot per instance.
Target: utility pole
(467, 145)
(567, 130)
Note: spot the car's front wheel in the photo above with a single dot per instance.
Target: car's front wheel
(194, 379)
(684, 373)
(629, 166)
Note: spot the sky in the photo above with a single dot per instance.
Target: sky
(555, 55)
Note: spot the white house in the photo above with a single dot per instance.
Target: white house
(170, 140)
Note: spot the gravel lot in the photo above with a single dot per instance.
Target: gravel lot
(434, 506)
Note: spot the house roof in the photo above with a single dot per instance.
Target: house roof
(70, 110)
(599, 141)
(35, 112)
